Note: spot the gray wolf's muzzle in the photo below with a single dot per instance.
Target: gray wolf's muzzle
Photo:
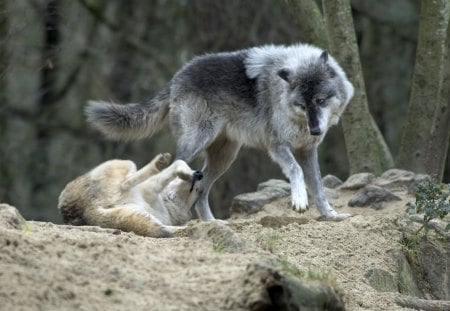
(195, 177)
(313, 121)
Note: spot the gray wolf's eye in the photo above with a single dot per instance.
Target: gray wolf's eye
(299, 104)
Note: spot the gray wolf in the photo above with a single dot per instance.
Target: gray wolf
(153, 201)
(281, 99)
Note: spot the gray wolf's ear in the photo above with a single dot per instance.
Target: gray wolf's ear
(284, 74)
(324, 57)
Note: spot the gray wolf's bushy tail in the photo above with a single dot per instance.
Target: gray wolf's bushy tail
(130, 121)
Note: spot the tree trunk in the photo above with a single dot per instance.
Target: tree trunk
(4, 169)
(309, 19)
(424, 142)
(366, 148)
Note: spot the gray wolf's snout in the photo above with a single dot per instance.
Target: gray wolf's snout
(195, 177)
(198, 175)
(315, 131)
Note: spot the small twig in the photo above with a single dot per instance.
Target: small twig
(90, 229)
(423, 304)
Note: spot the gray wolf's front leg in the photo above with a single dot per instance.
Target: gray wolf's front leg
(310, 163)
(286, 160)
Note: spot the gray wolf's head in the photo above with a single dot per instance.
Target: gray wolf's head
(316, 90)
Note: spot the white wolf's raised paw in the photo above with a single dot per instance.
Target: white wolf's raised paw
(183, 170)
(300, 201)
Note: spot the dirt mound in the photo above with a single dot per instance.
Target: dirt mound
(52, 267)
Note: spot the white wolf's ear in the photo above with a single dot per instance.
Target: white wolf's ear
(285, 74)
(324, 57)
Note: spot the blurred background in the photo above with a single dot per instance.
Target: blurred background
(56, 54)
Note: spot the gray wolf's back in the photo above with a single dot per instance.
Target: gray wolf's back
(215, 75)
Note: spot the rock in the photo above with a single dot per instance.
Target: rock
(331, 181)
(395, 179)
(357, 181)
(224, 238)
(418, 179)
(276, 185)
(434, 266)
(406, 283)
(263, 287)
(381, 280)
(10, 217)
(372, 195)
(331, 194)
(429, 261)
(254, 201)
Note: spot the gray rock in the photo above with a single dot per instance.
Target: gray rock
(264, 287)
(253, 202)
(381, 280)
(331, 181)
(277, 185)
(10, 217)
(429, 261)
(418, 179)
(357, 181)
(372, 196)
(405, 277)
(331, 194)
(396, 179)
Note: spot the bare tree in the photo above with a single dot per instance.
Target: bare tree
(366, 148)
(425, 139)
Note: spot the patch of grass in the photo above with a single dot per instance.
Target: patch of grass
(269, 241)
(220, 245)
(26, 227)
(324, 276)
(410, 244)
(108, 292)
(310, 274)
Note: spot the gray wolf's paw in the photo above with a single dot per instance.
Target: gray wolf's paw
(300, 200)
(335, 216)
(163, 161)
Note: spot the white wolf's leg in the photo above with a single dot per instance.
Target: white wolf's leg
(219, 156)
(310, 163)
(284, 157)
(153, 186)
(152, 168)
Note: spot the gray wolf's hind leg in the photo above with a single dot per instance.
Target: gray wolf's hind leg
(310, 164)
(152, 168)
(219, 157)
(194, 141)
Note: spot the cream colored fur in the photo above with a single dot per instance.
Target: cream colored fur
(153, 201)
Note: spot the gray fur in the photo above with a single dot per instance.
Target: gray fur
(281, 99)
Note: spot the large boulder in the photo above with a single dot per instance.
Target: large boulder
(357, 181)
(372, 196)
(248, 203)
(264, 287)
(10, 217)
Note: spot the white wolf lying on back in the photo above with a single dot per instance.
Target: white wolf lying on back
(281, 99)
(152, 201)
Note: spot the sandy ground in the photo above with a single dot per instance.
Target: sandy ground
(48, 267)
